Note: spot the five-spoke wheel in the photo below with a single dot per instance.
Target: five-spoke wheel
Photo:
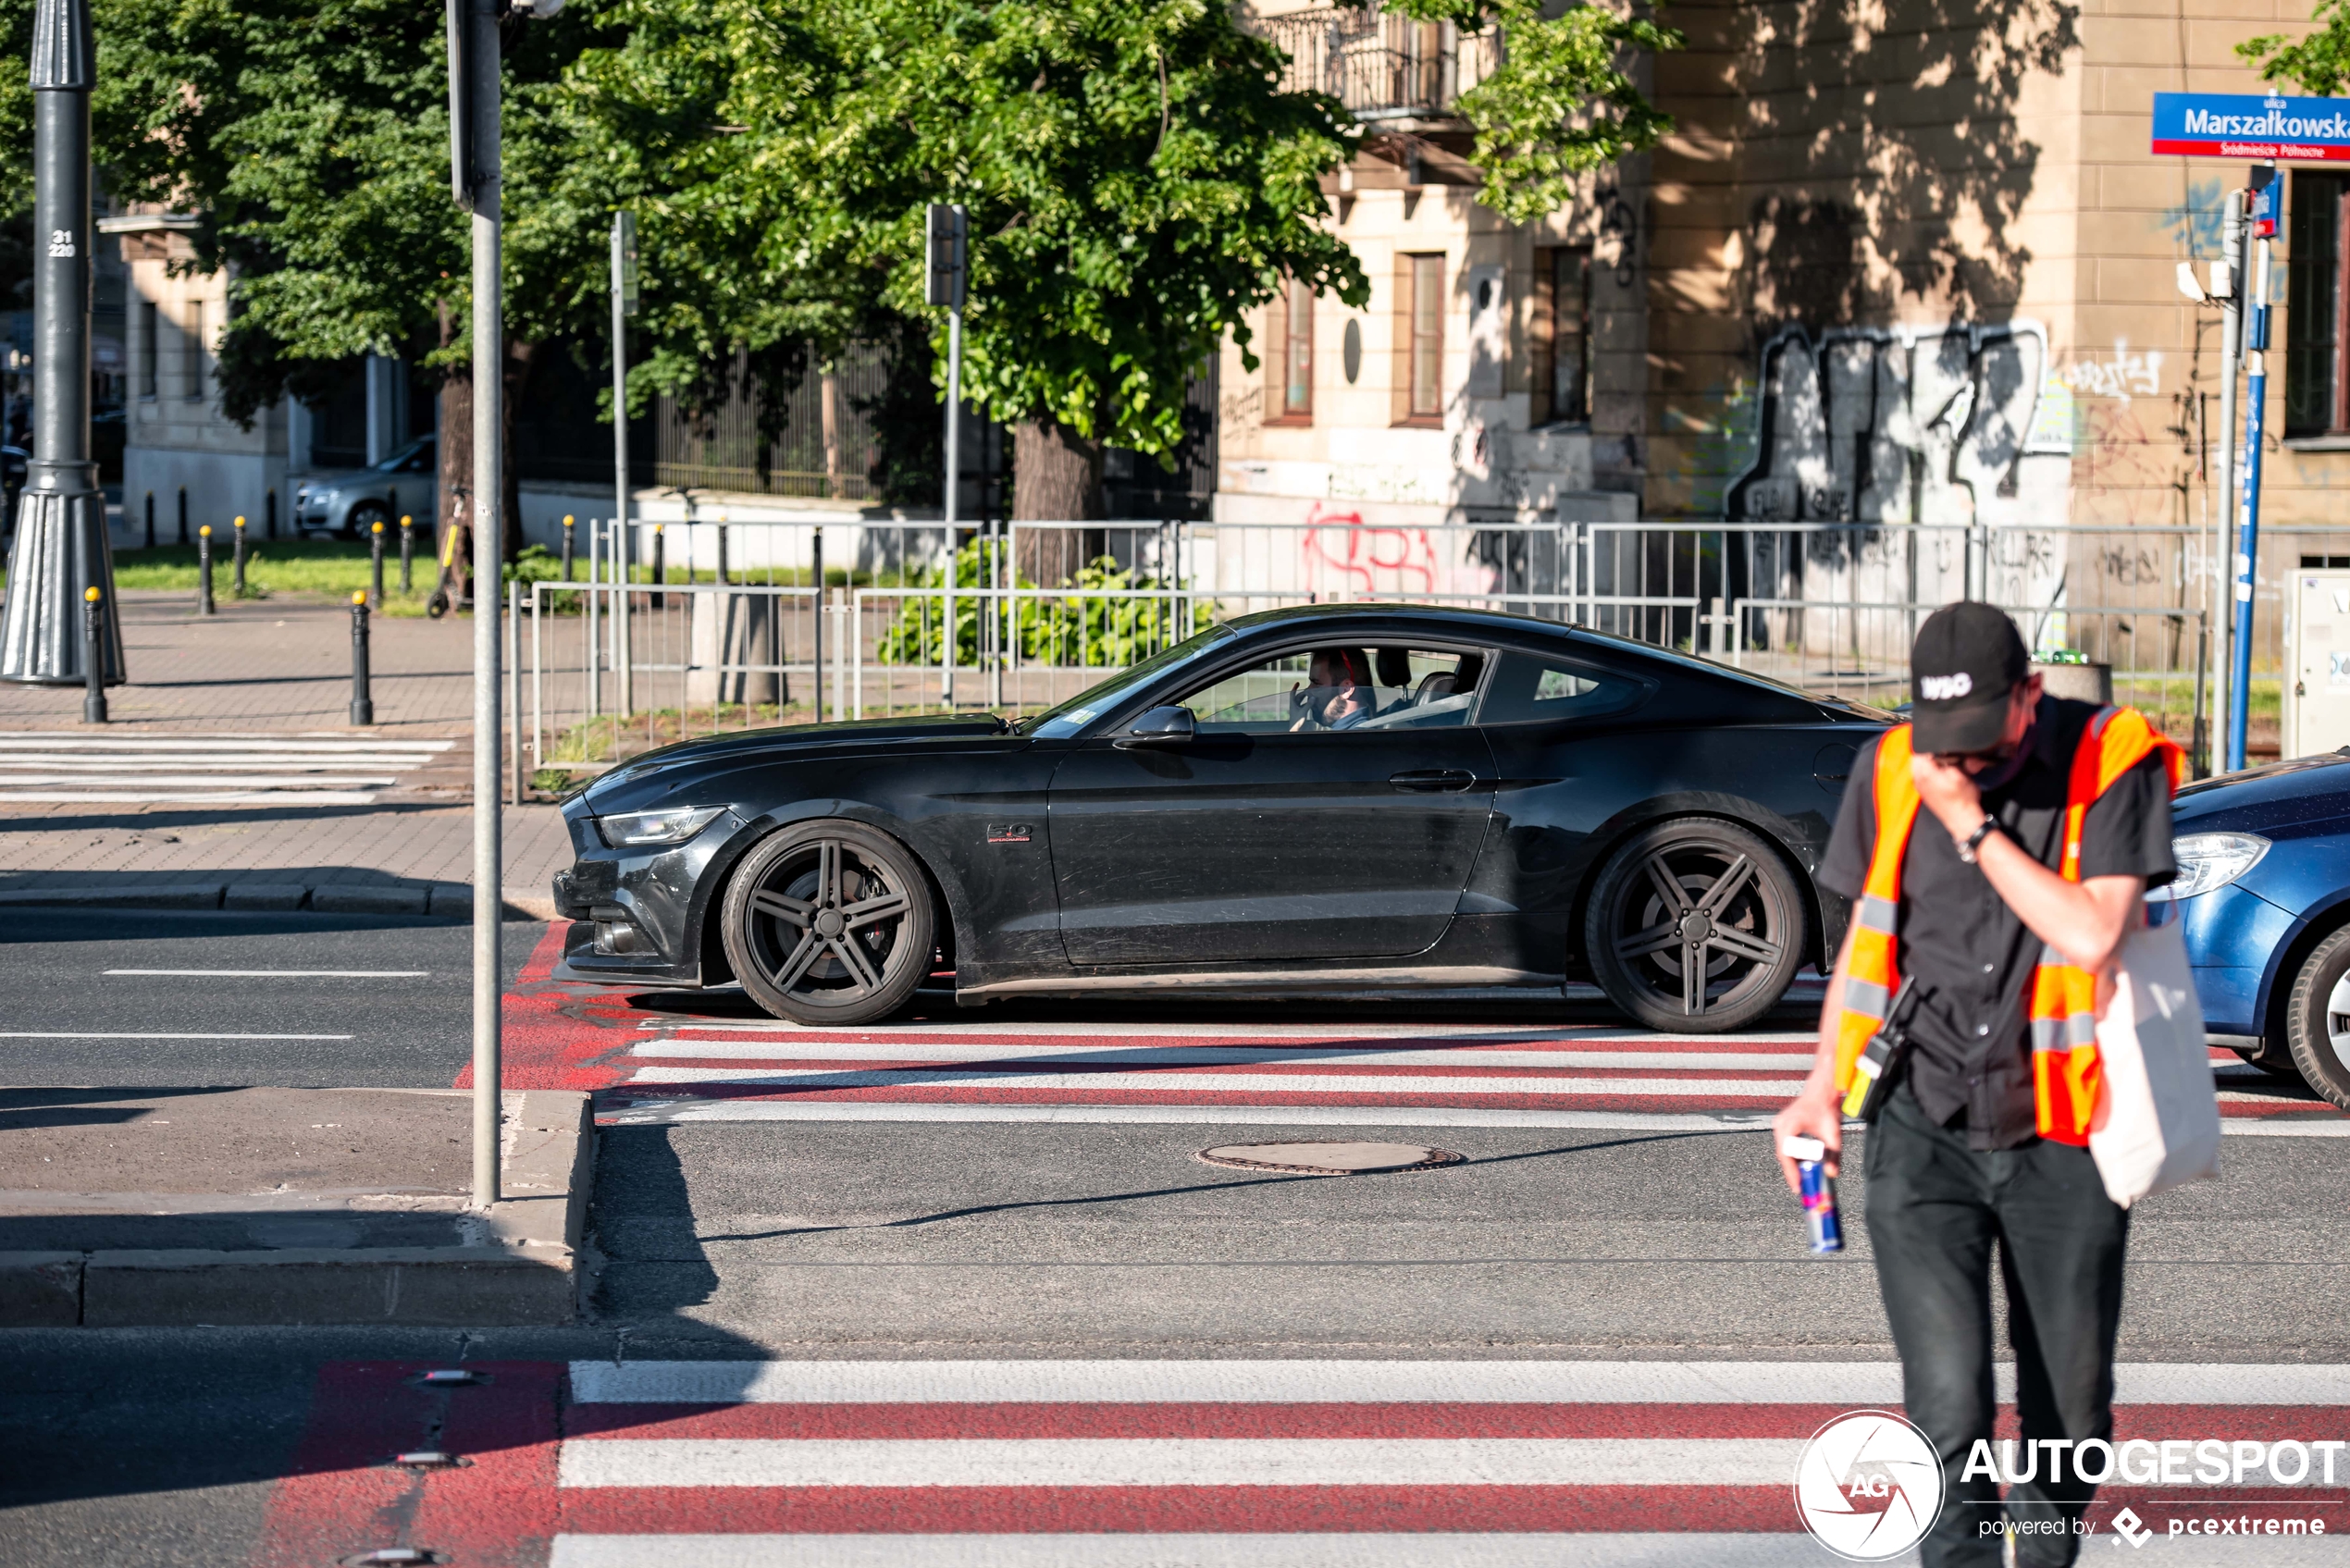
(1694, 925)
(829, 922)
(2317, 1018)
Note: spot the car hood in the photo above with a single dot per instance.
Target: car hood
(2261, 799)
(627, 787)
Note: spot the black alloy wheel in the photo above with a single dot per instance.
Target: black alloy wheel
(2317, 1018)
(829, 922)
(1694, 925)
(364, 518)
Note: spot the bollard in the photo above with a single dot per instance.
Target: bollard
(203, 569)
(241, 558)
(269, 514)
(407, 554)
(661, 572)
(362, 705)
(567, 522)
(151, 520)
(376, 561)
(94, 657)
(183, 514)
(816, 684)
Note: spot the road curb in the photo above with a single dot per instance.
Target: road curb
(518, 1267)
(440, 900)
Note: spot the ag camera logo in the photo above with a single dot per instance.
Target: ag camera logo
(1869, 1485)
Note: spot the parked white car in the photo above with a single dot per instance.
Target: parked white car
(349, 504)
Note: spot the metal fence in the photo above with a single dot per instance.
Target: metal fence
(680, 629)
(1380, 64)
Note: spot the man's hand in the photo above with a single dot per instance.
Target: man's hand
(1811, 1114)
(1950, 793)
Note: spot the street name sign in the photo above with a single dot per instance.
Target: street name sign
(2249, 125)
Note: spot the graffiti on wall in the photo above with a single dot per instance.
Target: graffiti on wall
(1865, 425)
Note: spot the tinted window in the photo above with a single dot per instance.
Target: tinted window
(1073, 715)
(1340, 687)
(1526, 689)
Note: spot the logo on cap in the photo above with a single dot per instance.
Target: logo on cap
(1942, 688)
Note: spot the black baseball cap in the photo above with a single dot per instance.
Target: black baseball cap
(1967, 659)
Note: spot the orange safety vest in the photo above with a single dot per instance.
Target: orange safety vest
(2063, 997)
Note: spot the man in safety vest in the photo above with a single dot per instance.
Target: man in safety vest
(1996, 850)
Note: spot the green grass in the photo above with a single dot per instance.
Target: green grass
(337, 568)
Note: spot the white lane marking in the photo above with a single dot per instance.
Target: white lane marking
(1222, 1082)
(141, 761)
(1232, 1056)
(1177, 1462)
(665, 1113)
(193, 780)
(346, 974)
(89, 1034)
(190, 797)
(1499, 1034)
(1392, 1382)
(1338, 1550)
(66, 740)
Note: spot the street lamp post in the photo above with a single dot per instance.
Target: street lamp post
(61, 548)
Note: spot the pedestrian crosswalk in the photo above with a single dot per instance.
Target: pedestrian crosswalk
(1200, 1463)
(330, 769)
(1364, 1075)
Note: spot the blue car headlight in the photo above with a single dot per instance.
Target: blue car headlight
(639, 829)
(2209, 862)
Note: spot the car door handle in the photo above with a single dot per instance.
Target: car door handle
(1434, 779)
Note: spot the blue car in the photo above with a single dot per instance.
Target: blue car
(2264, 893)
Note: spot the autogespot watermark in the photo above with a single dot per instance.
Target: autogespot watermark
(1869, 1485)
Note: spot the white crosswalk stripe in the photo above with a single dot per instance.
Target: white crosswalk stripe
(59, 767)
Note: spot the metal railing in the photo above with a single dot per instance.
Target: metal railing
(752, 623)
(1379, 65)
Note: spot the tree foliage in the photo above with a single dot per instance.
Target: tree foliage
(2318, 63)
(1563, 102)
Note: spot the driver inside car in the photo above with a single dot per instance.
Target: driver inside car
(1340, 695)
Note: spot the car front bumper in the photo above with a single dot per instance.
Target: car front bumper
(635, 912)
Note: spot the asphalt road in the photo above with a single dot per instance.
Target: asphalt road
(401, 1021)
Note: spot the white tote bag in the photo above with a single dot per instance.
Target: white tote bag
(2156, 1123)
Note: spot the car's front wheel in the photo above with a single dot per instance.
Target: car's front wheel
(364, 518)
(829, 922)
(1694, 925)
(2317, 1018)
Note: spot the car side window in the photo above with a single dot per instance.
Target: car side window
(1341, 687)
(1527, 689)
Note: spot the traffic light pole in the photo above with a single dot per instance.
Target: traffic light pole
(945, 269)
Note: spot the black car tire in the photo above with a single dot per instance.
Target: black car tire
(2317, 1018)
(1735, 906)
(363, 517)
(804, 879)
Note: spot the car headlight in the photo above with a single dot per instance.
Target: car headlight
(2209, 862)
(633, 829)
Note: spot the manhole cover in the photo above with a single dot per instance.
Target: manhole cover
(1329, 1159)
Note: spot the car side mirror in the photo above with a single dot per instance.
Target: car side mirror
(1160, 727)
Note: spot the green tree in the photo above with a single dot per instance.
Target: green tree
(2318, 63)
(1563, 102)
(1136, 179)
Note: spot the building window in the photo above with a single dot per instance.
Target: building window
(142, 345)
(1562, 356)
(2317, 391)
(1421, 338)
(1289, 355)
(194, 354)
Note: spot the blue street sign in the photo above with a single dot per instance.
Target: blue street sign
(2246, 125)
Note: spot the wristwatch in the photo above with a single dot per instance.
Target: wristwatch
(1974, 840)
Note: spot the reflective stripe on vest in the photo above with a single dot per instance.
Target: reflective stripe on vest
(2063, 998)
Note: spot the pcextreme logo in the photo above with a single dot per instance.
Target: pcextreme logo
(1869, 1485)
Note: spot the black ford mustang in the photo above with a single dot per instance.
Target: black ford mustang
(1343, 799)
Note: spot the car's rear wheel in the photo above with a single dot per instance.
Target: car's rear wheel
(2317, 1018)
(1694, 925)
(829, 922)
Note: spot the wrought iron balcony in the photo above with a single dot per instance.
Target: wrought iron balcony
(1380, 66)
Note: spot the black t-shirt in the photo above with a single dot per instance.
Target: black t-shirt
(1971, 954)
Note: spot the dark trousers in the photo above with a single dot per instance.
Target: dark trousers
(1934, 1208)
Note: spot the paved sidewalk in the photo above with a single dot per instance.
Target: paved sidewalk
(278, 667)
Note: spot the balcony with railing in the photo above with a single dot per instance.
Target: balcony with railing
(1384, 68)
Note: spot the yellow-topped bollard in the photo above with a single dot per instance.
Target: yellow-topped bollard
(94, 656)
(203, 569)
(568, 520)
(376, 560)
(407, 552)
(363, 703)
(239, 588)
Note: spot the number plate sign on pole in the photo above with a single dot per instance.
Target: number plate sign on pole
(946, 267)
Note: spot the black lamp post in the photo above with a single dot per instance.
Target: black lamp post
(61, 548)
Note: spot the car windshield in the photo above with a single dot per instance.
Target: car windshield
(1073, 715)
(400, 459)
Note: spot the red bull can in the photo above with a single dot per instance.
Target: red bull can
(1819, 1193)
